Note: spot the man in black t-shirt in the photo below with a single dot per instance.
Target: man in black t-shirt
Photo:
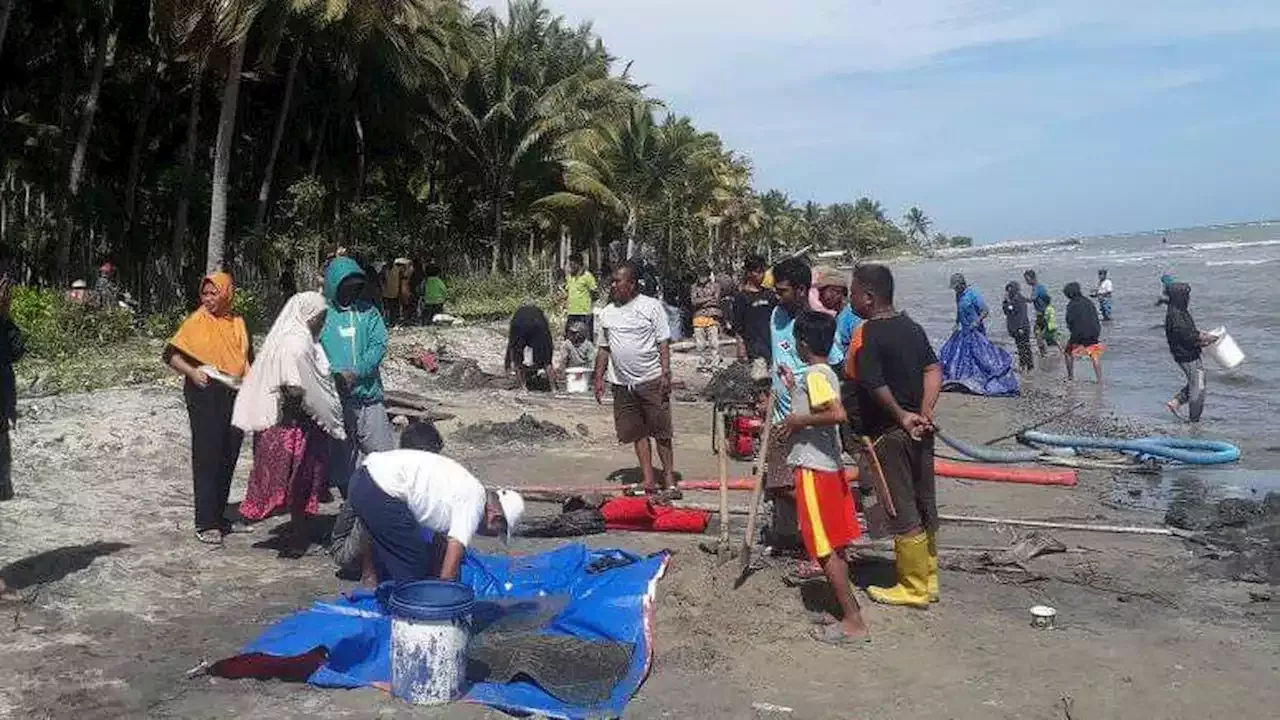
(752, 308)
(899, 379)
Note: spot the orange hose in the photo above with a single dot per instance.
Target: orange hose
(943, 468)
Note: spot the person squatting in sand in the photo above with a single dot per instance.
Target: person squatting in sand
(1084, 329)
(899, 379)
(397, 494)
(634, 358)
(212, 341)
(824, 504)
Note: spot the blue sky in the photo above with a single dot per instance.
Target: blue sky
(1002, 119)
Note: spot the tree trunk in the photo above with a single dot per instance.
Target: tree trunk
(598, 241)
(360, 157)
(222, 159)
(101, 50)
(6, 7)
(497, 233)
(178, 242)
(135, 154)
(264, 190)
(631, 233)
(315, 151)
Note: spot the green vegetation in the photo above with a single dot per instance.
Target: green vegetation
(174, 136)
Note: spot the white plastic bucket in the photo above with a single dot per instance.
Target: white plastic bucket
(1224, 350)
(430, 629)
(577, 380)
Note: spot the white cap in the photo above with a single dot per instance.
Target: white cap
(512, 509)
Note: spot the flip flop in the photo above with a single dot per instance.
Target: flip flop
(834, 635)
(212, 536)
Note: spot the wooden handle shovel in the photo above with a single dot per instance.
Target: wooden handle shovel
(749, 540)
(878, 483)
(723, 548)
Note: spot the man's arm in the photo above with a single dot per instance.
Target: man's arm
(932, 389)
(664, 358)
(375, 349)
(453, 553)
(602, 362)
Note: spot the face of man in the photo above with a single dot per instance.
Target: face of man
(862, 300)
(350, 290)
(792, 298)
(623, 287)
(833, 297)
(575, 266)
(755, 277)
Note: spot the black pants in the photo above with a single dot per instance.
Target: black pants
(6, 463)
(1022, 337)
(215, 447)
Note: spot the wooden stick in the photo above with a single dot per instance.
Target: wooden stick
(1034, 425)
(749, 539)
(1121, 529)
(723, 462)
(878, 483)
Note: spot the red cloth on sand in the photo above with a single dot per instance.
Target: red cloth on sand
(638, 513)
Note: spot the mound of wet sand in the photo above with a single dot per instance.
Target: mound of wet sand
(526, 429)
(1243, 535)
(463, 374)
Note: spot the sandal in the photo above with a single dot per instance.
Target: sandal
(834, 635)
(211, 536)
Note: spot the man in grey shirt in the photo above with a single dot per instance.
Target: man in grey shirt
(634, 357)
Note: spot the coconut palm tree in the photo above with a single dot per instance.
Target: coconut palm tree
(918, 225)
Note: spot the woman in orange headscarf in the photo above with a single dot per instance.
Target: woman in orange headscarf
(212, 351)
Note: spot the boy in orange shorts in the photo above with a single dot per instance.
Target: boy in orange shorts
(824, 503)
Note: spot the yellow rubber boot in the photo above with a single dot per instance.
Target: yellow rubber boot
(911, 555)
(933, 567)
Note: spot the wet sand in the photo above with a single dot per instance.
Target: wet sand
(115, 600)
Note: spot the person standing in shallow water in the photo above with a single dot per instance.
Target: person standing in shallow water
(1103, 293)
(1185, 341)
(1018, 324)
(1042, 303)
(1082, 323)
(212, 337)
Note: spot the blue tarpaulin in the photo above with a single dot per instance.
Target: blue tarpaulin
(610, 598)
(971, 363)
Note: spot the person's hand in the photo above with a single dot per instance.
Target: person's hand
(916, 425)
(664, 384)
(599, 389)
(782, 430)
(199, 378)
(787, 377)
(348, 376)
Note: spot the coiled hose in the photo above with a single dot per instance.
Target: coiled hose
(1186, 450)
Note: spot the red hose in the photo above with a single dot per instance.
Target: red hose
(943, 468)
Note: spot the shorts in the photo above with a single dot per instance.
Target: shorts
(908, 473)
(402, 550)
(824, 511)
(1093, 350)
(641, 411)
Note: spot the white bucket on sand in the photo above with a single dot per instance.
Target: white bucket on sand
(1224, 350)
(577, 380)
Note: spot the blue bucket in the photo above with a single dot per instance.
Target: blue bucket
(430, 628)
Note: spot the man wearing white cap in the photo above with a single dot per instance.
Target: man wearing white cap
(399, 494)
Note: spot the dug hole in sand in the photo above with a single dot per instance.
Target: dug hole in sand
(114, 600)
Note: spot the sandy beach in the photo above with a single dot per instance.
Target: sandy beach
(114, 601)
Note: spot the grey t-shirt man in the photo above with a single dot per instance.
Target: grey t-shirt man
(818, 447)
(632, 333)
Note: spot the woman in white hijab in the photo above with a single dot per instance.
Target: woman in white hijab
(289, 399)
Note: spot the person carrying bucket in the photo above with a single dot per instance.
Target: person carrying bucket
(1185, 341)
(398, 494)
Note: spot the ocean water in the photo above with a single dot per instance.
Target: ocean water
(1234, 273)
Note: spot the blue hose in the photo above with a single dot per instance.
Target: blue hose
(1187, 450)
(989, 454)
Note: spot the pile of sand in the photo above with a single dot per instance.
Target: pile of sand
(526, 429)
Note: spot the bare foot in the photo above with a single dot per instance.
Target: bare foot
(1173, 408)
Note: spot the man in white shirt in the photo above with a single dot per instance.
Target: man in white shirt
(1103, 293)
(397, 494)
(635, 351)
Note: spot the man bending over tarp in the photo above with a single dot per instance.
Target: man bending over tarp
(970, 362)
(399, 493)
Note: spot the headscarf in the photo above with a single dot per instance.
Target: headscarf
(290, 357)
(1166, 280)
(218, 338)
